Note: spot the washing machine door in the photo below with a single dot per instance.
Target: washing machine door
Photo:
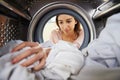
(40, 25)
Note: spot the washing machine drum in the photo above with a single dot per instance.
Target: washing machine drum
(37, 28)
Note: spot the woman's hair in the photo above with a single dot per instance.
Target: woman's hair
(77, 28)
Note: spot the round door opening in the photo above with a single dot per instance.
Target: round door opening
(43, 22)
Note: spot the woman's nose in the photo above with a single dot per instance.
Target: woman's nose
(65, 25)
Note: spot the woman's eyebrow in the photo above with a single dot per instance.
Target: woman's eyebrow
(69, 19)
(60, 20)
(66, 19)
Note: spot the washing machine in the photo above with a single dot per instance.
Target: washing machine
(32, 20)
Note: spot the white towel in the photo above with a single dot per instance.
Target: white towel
(65, 59)
(103, 61)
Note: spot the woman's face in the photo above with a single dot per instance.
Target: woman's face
(66, 23)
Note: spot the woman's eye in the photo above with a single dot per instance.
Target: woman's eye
(69, 21)
(60, 22)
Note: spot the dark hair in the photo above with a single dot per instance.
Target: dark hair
(77, 28)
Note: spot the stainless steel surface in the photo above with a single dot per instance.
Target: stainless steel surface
(8, 30)
(10, 7)
(106, 8)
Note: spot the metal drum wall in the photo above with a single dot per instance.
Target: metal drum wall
(8, 30)
(12, 23)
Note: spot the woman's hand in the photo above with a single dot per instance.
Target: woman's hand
(40, 55)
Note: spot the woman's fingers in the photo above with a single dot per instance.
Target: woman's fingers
(21, 56)
(39, 55)
(41, 64)
(25, 44)
(27, 53)
(33, 59)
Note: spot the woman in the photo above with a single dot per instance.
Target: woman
(69, 29)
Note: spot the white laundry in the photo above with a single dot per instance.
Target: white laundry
(8, 71)
(7, 48)
(63, 61)
(103, 61)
